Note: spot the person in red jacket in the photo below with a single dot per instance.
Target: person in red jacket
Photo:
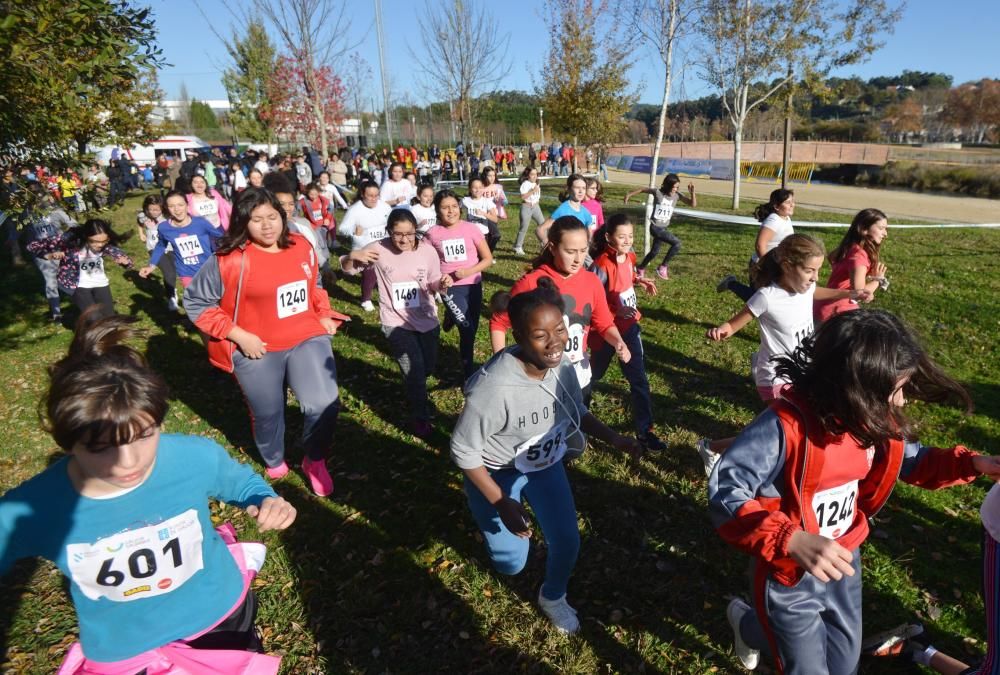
(614, 265)
(267, 322)
(586, 305)
(797, 486)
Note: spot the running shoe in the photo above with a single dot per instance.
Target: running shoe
(708, 456)
(562, 616)
(895, 641)
(723, 285)
(652, 442)
(368, 306)
(56, 317)
(172, 305)
(663, 272)
(735, 612)
(276, 472)
(518, 251)
(319, 477)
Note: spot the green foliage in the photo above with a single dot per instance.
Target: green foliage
(974, 181)
(246, 81)
(202, 116)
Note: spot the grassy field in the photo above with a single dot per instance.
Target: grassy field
(390, 575)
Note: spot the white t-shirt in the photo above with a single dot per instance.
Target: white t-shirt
(207, 209)
(239, 180)
(426, 216)
(91, 269)
(990, 512)
(476, 210)
(262, 166)
(392, 190)
(370, 221)
(527, 193)
(782, 228)
(785, 320)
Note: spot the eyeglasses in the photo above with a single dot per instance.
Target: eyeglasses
(403, 235)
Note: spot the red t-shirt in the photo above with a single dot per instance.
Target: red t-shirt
(618, 279)
(835, 497)
(278, 302)
(840, 278)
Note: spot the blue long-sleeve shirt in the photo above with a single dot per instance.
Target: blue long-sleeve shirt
(193, 244)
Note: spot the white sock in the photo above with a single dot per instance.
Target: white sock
(924, 657)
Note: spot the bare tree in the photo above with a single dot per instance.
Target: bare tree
(463, 53)
(776, 42)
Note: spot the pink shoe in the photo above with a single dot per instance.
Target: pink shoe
(663, 272)
(319, 478)
(276, 472)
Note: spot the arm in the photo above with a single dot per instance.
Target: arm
(543, 231)
(118, 255)
(824, 293)
(238, 484)
(649, 191)
(485, 261)
(492, 214)
(691, 199)
(356, 261)
(48, 246)
(727, 329)
(764, 237)
(934, 468)
(202, 304)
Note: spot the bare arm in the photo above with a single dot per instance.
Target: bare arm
(727, 329)
(764, 237)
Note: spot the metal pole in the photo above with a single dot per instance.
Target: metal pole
(541, 124)
(787, 150)
(381, 65)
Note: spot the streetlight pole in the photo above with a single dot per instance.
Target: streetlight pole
(381, 63)
(541, 124)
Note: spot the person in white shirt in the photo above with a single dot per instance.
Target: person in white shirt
(397, 190)
(364, 223)
(775, 225)
(261, 164)
(531, 212)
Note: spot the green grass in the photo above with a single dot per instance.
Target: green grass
(390, 575)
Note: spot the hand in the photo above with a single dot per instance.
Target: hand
(56, 255)
(629, 445)
(358, 230)
(329, 325)
(363, 256)
(880, 269)
(691, 188)
(647, 285)
(626, 312)
(624, 355)
(274, 513)
(445, 282)
(862, 295)
(458, 275)
(720, 332)
(626, 198)
(122, 260)
(823, 558)
(252, 346)
(514, 517)
(146, 271)
(988, 465)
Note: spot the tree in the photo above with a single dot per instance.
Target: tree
(122, 116)
(583, 83)
(781, 42)
(905, 118)
(59, 57)
(203, 118)
(974, 106)
(465, 54)
(246, 81)
(290, 102)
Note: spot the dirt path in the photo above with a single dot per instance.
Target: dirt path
(898, 205)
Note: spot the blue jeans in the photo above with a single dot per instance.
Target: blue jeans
(634, 371)
(469, 299)
(547, 492)
(661, 235)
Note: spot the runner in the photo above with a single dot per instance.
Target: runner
(364, 223)
(482, 212)
(571, 205)
(775, 224)
(148, 222)
(665, 200)
(856, 263)
(191, 238)
(423, 209)
(47, 221)
(531, 193)
(208, 203)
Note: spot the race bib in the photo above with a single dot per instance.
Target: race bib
(377, 235)
(92, 267)
(406, 295)
(139, 563)
(152, 237)
(189, 246)
(292, 299)
(454, 250)
(627, 298)
(541, 451)
(834, 509)
(574, 345)
(664, 210)
(207, 208)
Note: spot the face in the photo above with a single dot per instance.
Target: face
(578, 191)
(370, 197)
(396, 173)
(403, 235)
(622, 239)
(786, 208)
(324, 179)
(898, 399)
(798, 278)
(476, 189)
(198, 185)
(533, 175)
(313, 195)
(544, 337)
(426, 197)
(449, 211)
(412, 179)
(153, 212)
(256, 179)
(287, 203)
(571, 251)
(592, 191)
(177, 207)
(265, 226)
(116, 467)
(877, 232)
(489, 176)
(97, 242)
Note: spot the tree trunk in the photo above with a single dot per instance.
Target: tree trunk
(737, 153)
(668, 62)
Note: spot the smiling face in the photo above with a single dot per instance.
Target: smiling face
(403, 235)
(426, 197)
(622, 238)
(878, 231)
(448, 211)
(177, 208)
(786, 208)
(99, 467)
(264, 227)
(533, 175)
(476, 189)
(396, 173)
(543, 338)
(199, 186)
(570, 252)
(798, 278)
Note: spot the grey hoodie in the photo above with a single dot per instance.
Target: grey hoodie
(505, 409)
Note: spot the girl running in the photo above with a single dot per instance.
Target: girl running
(409, 275)
(614, 266)
(775, 224)
(482, 212)
(46, 220)
(594, 204)
(856, 263)
(329, 190)
(523, 410)
(493, 190)
(81, 252)
(125, 517)
(396, 190)
(665, 200)
(267, 323)
(464, 255)
(148, 222)
(531, 194)
(316, 209)
(571, 205)
(208, 203)
(364, 223)
(561, 260)
(423, 208)
(778, 495)
(192, 239)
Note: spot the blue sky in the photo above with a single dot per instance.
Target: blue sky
(957, 38)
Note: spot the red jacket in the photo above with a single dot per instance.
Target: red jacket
(763, 526)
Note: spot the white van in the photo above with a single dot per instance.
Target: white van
(147, 154)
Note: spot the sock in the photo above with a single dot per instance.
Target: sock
(924, 657)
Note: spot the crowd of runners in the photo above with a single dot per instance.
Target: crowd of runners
(248, 246)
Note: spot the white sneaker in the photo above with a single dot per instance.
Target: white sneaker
(368, 306)
(519, 251)
(172, 304)
(708, 457)
(747, 656)
(562, 616)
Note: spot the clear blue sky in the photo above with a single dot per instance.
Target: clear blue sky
(958, 38)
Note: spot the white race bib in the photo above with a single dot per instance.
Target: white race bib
(627, 298)
(92, 267)
(406, 295)
(189, 246)
(541, 451)
(377, 235)
(293, 298)
(575, 344)
(664, 210)
(140, 563)
(834, 509)
(454, 250)
(207, 208)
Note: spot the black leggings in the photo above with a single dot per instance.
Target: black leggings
(85, 297)
(661, 235)
(169, 270)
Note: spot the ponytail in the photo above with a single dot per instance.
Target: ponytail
(777, 198)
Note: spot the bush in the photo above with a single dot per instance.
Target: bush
(975, 181)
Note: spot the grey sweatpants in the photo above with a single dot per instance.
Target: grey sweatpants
(311, 372)
(816, 625)
(416, 354)
(528, 214)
